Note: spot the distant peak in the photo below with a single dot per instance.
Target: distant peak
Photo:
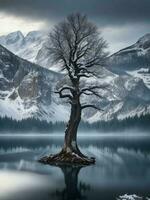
(145, 38)
(17, 33)
(14, 37)
(143, 42)
(34, 33)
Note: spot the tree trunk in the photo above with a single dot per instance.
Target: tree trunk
(70, 142)
(70, 153)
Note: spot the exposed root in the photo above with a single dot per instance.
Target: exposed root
(67, 158)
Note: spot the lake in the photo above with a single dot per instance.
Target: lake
(122, 167)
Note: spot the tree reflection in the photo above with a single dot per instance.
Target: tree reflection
(73, 188)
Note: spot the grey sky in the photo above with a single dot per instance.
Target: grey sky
(122, 21)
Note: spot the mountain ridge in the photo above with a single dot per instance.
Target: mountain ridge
(25, 46)
(26, 88)
(32, 85)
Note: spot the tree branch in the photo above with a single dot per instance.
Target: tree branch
(64, 95)
(65, 88)
(91, 106)
(87, 73)
(76, 44)
(93, 93)
(92, 88)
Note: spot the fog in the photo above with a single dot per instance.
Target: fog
(81, 133)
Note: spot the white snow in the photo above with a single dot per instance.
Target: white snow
(26, 47)
(138, 111)
(55, 112)
(142, 73)
(130, 197)
(15, 109)
(120, 87)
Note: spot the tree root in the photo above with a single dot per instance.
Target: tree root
(67, 158)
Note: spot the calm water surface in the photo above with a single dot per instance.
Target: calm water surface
(122, 166)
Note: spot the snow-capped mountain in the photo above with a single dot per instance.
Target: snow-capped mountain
(133, 60)
(26, 89)
(31, 47)
(26, 47)
(125, 96)
(133, 57)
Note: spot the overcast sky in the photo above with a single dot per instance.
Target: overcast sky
(122, 22)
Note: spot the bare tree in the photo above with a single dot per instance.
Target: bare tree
(76, 45)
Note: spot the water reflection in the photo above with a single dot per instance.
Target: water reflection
(73, 189)
(122, 166)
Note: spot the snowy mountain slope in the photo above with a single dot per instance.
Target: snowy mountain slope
(31, 47)
(26, 47)
(133, 57)
(26, 90)
(133, 60)
(125, 96)
(142, 73)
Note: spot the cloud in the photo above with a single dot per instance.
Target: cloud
(10, 23)
(104, 12)
(119, 37)
(122, 21)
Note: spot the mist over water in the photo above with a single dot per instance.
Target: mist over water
(122, 166)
